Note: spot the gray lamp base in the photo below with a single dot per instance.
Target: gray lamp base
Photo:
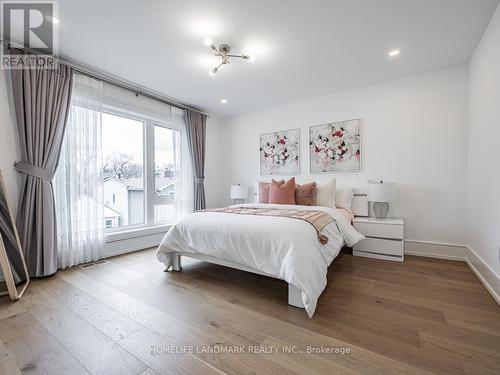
(381, 209)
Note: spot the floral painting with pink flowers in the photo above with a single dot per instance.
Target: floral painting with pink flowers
(279, 153)
(335, 147)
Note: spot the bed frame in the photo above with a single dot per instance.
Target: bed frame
(294, 295)
(359, 208)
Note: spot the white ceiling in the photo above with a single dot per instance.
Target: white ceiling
(302, 48)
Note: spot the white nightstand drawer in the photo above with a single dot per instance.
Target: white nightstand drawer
(380, 246)
(380, 230)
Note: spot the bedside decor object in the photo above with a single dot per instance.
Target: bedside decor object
(12, 261)
(239, 193)
(384, 238)
(279, 153)
(335, 147)
(381, 194)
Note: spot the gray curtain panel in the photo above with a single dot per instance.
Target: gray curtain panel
(196, 135)
(42, 100)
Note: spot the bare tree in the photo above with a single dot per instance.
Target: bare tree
(121, 166)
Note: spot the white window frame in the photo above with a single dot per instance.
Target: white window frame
(150, 198)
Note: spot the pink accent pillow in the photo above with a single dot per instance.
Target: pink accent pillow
(305, 194)
(282, 193)
(264, 191)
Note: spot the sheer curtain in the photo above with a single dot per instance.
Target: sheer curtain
(78, 180)
(184, 191)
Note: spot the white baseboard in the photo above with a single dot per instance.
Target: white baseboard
(489, 278)
(435, 250)
(132, 244)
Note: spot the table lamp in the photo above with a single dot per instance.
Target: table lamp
(381, 194)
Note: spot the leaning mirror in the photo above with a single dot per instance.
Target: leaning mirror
(15, 273)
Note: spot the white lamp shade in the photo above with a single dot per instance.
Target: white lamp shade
(239, 192)
(381, 192)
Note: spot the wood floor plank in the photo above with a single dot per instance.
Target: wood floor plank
(304, 363)
(170, 299)
(485, 357)
(95, 351)
(474, 369)
(415, 317)
(8, 364)
(9, 367)
(105, 319)
(415, 297)
(455, 333)
(34, 349)
(367, 303)
(293, 334)
(384, 344)
(170, 328)
(151, 349)
(8, 308)
(225, 313)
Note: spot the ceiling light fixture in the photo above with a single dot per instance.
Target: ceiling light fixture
(394, 52)
(223, 52)
(223, 101)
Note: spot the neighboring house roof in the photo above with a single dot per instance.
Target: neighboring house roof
(110, 212)
(85, 201)
(164, 182)
(134, 183)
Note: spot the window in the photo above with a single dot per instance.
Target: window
(123, 168)
(167, 172)
(141, 170)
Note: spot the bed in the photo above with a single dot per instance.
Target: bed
(279, 247)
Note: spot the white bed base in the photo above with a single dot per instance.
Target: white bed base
(294, 294)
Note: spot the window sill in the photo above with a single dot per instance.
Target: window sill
(137, 232)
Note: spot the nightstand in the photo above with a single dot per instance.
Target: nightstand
(384, 238)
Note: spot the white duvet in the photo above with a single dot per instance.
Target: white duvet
(285, 248)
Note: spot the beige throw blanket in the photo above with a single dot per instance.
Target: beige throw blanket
(317, 219)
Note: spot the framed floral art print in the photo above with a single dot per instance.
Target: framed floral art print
(335, 147)
(279, 153)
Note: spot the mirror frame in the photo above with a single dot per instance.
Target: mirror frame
(4, 260)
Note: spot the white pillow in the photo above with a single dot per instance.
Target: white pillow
(343, 198)
(325, 193)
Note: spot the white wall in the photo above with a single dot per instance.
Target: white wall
(413, 133)
(483, 210)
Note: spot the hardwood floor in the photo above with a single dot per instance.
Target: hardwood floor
(124, 315)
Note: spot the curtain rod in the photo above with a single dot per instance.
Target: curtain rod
(113, 80)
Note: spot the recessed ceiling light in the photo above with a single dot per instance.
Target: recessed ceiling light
(394, 52)
(208, 42)
(223, 101)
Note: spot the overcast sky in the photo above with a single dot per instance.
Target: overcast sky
(120, 134)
